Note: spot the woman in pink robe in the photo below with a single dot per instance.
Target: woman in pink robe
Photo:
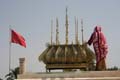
(100, 47)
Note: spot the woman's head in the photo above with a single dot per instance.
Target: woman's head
(97, 28)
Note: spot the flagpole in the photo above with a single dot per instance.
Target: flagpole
(9, 48)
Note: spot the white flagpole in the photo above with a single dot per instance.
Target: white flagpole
(9, 48)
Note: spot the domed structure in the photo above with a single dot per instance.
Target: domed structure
(62, 55)
(68, 56)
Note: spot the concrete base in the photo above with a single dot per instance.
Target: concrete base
(81, 75)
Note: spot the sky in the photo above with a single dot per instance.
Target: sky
(32, 19)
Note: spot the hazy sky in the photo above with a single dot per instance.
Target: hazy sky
(32, 19)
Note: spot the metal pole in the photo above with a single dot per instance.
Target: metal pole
(9, 49)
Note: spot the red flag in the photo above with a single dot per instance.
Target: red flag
(17, 38)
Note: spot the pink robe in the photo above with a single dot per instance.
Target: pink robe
(99, 44)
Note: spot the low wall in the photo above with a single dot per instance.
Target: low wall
(81, 75)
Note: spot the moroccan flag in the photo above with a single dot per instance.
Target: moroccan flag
(17, 38)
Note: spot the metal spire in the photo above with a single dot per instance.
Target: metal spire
(57, 32)
(82, 31)
(51, 32)
(66, 24)
(76, 30)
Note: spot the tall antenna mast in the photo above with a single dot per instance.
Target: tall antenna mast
(51, 32)
(82, 31)
(57, 32)
(66, 24)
